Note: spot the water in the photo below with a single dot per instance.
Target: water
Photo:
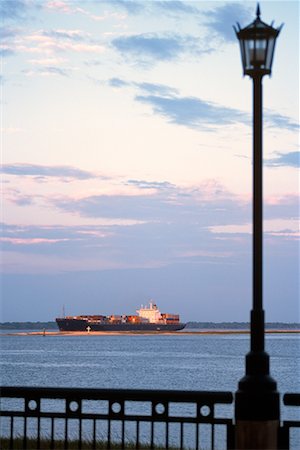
(204, 362)
(195, 362)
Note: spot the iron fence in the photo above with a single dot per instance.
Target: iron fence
(115, 418)
(65, 418)
(290, 429)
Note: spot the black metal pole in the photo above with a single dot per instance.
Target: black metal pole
(257, 313)
(257, 398)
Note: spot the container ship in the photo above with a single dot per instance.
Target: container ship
(148, 318)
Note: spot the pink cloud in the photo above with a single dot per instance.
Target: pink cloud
(59, 5)
(31, 241)
(48, 43)
(47, 61)
(61, 40)
(282, 199)
(65, 8)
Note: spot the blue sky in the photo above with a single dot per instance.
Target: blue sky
(127, 159)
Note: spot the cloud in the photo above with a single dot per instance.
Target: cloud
(55, 71)
(142, 184)
(279, 121)
(130, 6)
(159, 201)
(49, 43)
(13, 9)
(7, 35)
(175, 7)
(170, 225)
(17, 197)
(160, 89)
(150, 88)
(73, 35)
(8, 32)
(59, 5)
(207, 204)
(6, 51)
(114, 207)
(291, 159)
(117, 83)
(47, 70)
(50, 231)
(43, 172)
(17, 241)
(222, 18)
(45, 42)
(48, 62)
(193, 112)
(50, 239)
(170, 7)
(151, 47)
(68, 8)
(285, 207)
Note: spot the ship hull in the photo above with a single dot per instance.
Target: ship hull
(83, 325)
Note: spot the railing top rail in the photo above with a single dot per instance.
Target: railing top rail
(118, 394)
(290, 399)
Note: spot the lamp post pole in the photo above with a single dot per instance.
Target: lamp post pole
(257, 313)
(257, 411)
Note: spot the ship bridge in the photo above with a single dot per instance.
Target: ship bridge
(151, 313)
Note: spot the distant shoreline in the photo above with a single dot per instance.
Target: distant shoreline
(136, 333)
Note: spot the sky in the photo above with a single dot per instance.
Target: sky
(126, 160)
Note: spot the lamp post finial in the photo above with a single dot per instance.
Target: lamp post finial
(258, 11)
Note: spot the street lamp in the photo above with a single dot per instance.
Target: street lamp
(257, 400)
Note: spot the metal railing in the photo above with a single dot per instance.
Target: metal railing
(113, 418)
(33, 417)
(288, 441)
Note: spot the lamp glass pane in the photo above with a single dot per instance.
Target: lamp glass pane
(248, 50)
(257, 49)
(242, 48)
(270, 52)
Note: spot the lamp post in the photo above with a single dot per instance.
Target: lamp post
(257, 410)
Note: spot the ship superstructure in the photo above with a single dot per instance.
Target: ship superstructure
(148, 318)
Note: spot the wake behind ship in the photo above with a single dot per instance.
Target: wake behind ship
(147, 319)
